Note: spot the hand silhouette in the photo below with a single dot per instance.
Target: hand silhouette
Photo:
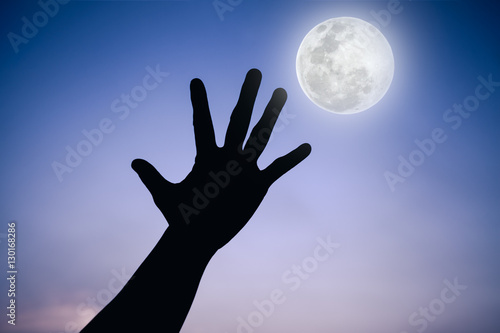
(204, 211)
(225, 187)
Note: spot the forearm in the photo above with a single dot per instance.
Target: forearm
(160, 293)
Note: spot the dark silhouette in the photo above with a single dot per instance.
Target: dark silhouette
(204, 212)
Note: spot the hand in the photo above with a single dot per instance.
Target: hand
(225, 187)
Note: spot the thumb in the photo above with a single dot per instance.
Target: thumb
(150, 177)
(283, 164)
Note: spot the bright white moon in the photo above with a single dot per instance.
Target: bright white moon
(345, 65)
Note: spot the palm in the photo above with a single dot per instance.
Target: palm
(225, 186)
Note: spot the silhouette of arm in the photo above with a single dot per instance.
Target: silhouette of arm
(204, 211)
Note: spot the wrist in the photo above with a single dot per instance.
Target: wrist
(182, 242)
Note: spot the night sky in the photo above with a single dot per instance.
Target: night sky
(407, 190)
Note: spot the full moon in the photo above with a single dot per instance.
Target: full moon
(345, 65)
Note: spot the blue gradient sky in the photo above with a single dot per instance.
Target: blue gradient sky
(397, 247)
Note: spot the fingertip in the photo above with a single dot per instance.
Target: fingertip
(305, 149)
(135, 164)
(138, 164)
(255, 72)
(279, 98)
(301, 152)
(281, 93)
(196, 82)
(254, 75)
